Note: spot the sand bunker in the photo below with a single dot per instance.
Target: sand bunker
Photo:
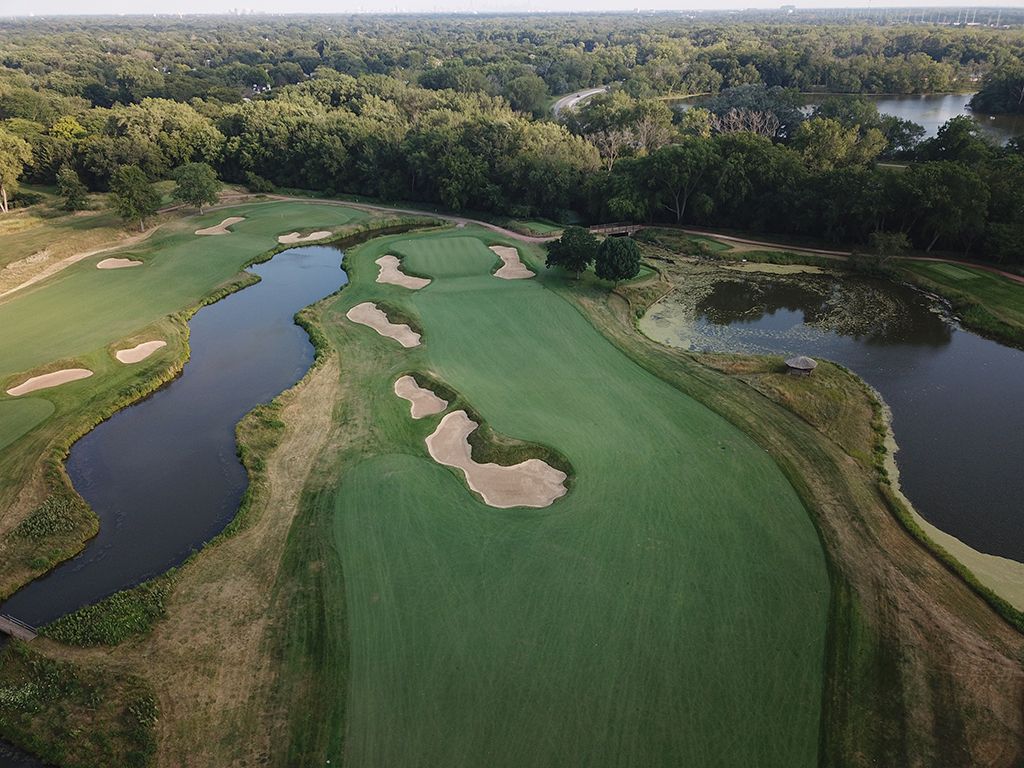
(513, 268)
(391, 273)
(222, 228)
(368, 314)
(48, 380)
(424, 402)
(295, 237)
(139, 352)
(532, 483)
(118, 263)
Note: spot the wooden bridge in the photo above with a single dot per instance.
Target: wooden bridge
(616, 230)
(16, 629)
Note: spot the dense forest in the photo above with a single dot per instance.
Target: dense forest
(456, 112)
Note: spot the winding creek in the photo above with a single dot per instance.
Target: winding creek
(954, 396)
(163, 475)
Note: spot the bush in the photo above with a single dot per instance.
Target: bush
(257, 184)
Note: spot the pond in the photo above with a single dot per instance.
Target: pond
(929, 111)
(955, 397)
(163, 475)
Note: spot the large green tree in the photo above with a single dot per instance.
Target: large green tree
(574, 251)
(15, 153)
(618, 258)
(673, 174)
(133, 195)
(196, 184)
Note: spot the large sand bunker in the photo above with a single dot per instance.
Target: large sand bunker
(139, 352)
(392, 274)
(512, 268)
(368, 314)
(118, 263)
(48, 380)
(424, 402)
(222, 228)
(531, 483)
(294, 237)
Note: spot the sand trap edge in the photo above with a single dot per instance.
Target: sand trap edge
(139, 352)
(512, 267)
(222, 228)
(423, 402)
(49, 380)
(118, 263)
(391, 274)
(370, 315)
(539, 484)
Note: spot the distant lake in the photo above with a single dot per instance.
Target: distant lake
(929, 111)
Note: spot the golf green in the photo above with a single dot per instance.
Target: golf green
(670, 611)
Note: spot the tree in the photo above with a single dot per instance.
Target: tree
(958, 139)
(827, 144)
(674, 173)
(618, 258)
(196, 185)
(71, 190)
(134, 197)
(574, 251)
(15, 153)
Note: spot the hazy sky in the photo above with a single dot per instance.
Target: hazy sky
(40, 7)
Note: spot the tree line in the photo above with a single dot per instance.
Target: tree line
(749, 158)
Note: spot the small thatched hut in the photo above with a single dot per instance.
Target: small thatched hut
(800, 366)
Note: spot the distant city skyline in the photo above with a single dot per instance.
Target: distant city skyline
(176, 7)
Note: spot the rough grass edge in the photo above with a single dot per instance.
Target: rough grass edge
(973, 313)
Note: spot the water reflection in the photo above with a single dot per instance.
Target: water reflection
(955, 396)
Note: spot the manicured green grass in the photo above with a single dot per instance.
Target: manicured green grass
(84, 308)
(1002, 298)
(19, 416)
(670, 610)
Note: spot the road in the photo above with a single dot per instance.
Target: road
(573, 99)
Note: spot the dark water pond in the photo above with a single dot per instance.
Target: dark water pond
(956, 398)
(10, 757)
(163, 475)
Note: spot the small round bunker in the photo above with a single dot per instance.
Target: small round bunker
(800, 366)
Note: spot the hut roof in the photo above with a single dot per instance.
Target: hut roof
(802, 363)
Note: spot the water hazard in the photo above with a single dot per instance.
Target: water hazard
(955, 396)
(163, 475)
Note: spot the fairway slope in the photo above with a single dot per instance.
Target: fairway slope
(670, 611)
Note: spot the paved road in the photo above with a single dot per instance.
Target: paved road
(573, 99)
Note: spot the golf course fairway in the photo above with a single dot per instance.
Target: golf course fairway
(670, 610)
